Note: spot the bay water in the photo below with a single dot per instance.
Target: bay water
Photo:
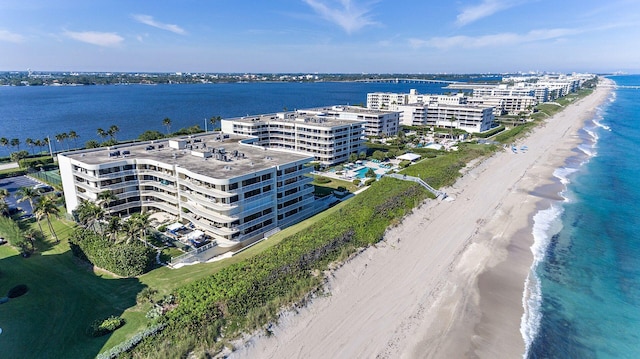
(39, 111)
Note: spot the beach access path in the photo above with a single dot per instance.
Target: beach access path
(448, 282)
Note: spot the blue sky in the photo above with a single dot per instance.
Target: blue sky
(370, 36)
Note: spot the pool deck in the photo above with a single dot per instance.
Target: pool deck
(351, 173)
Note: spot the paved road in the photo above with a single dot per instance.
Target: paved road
(12, 185)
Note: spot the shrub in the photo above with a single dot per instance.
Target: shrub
(106, 326)
(17, 291)
(405, 164)
(123, 259)
(162, 228)
(369, 181)
(36, 162)
(129, 344)
(146, 295)
(356, 181)
(370, 173)
(322, 179)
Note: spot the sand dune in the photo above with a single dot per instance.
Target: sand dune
(447, 282)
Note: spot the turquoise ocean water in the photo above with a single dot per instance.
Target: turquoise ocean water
(583, 294)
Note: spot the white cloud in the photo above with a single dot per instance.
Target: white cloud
(10, 36)
(494, 40)
(106, 39)
(349, 16)
(486, 8)
(149, 20)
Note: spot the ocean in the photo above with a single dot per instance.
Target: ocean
(583, 294)
(39, 111)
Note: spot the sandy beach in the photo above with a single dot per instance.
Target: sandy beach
(448, 282)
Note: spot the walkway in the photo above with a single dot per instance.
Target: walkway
(438, 194)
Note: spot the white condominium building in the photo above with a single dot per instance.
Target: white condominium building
(376, 122)
(414, 114)
(225, 186)
(329, 140)
(393, 101)
(512, 105)
(503, 91)
(470, 118)
(385, 100)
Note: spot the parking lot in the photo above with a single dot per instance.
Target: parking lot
(12, 185)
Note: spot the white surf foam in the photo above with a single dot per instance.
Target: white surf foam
(546, 223)
(563, 174)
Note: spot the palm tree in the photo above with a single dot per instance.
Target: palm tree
(102, 133)
(4, 142)
(214, 120)
(30, 236)
(113, 227)
(130, 228)
(452, 120)
(92, 144)
(60, 137)
(4, 193)
(30, 195)
(4, 207)
(46, 208)
(167, 123)
(45, 141)
(74, 136)
(39, 144)
(137, 224)
(15, 142)
(113, 130)
(30, 143)
(88, 214)
(105, 198)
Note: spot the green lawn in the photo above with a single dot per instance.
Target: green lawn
(65, 296)
(323, 189)
(63, 299)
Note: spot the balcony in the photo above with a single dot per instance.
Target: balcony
(206, 190)
(225, 232)
(116, 174)
(161, 195)
(198, 198)
(208, 213)
(163, 206)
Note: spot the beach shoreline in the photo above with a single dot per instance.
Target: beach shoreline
(449, 280)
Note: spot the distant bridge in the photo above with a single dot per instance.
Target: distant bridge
(620, 87)
(398, 80)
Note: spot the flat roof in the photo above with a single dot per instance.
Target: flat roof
(347, 109)
(409, 157)
(297, 118)
(241, 158)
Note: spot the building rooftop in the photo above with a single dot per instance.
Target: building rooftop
(303, 117)
(346, 109)
(212, 154)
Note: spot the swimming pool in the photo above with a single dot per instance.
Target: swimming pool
(361, 173)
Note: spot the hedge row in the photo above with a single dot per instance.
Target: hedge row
(36, 162)
(12, 172)
(489, 133)
(123, 259)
